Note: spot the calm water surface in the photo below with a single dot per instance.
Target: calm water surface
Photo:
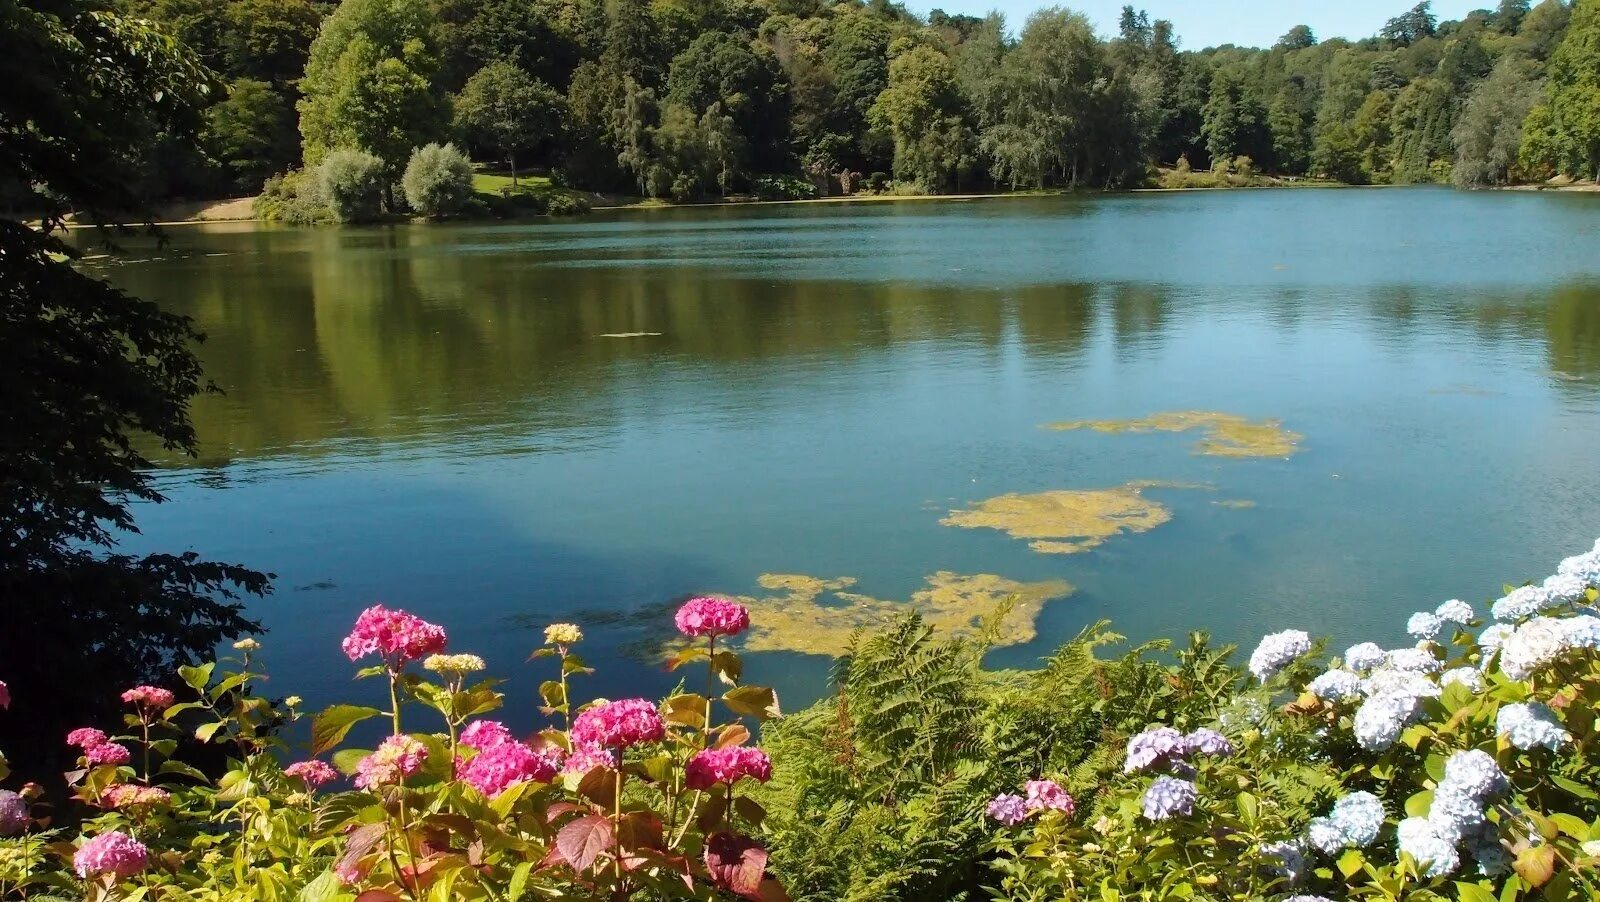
(433, 416)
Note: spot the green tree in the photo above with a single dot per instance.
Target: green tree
(352, 182)
(1567, 136)
(1233, 122)
(438, 180)
(474, 34)
(1289, 120)
(1412, 26)
(509, 111)
(1370, 129)
(87, 369)
(268, 40)
(369, 82)
(745, 80)
(922, 113)
(252, 133)
(1488, 135)
(1337, 155)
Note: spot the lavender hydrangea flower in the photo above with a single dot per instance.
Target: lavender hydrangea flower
(1528, 725)
(1169, 797)
(1521, 603)
(1491, 856)
(1152, 747)
(1424, 625)
(1435, 855)
(1363, 656)
(1475, 773)
(1455, 611)
(1380, 720)
(1335, 686)
(1276, 651)
(14, 816)
(1206, 741)
(1008, 809)
(1464, 676)
(1290, 863)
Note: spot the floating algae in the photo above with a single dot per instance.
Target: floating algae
(1225, 434)
(1069, 522)
(1235, 503)
(798, 618)
(629, 334)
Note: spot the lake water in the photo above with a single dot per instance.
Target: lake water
(499, 425)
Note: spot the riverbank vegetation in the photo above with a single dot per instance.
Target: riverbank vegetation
(783, 100)
(1458, 767)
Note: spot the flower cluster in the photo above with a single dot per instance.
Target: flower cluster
(113, 754)
(393, 635)
(1336, 686)
(1529, 725)
(1008, 808)
(1169, 797)
(397, 758)
(14, 814)
(585, 757)
(562, 634)
(709, 767)
(149, 698)
(626, 722)
(453, 665)
(131, 795)
(1277, 651)
(1540, 642)
(711, 616)
(1165, 747)
(312, 773)
(1353, 823)
(486, 734)
(114, 853)
(1041, 795)
(499, 767)
(1364, 656)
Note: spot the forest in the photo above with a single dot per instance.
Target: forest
(689, 99)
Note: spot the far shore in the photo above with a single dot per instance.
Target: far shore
(242, 209)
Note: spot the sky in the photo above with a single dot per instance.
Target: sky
(1248, 23)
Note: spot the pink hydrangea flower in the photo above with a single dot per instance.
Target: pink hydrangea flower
(1047, 794)
(486, 734)
(395, 636)
(712, 766)
(152, 698)
(86, 738)
(313, 773)
(1008, 809)
(499, 767)
(397, 758)
(129, 795)
(624, 722)
(709, 616)
(5, 695)
(107, 753)
(585, 757)
(114, 853)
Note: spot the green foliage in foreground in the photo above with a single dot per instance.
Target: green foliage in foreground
(438, 181)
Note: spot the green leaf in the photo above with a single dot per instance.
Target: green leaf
(1472, 892)
(759, 702)
(329, 727)
(1574, 787)
(198, 676)
(325, 888)
(727, 666)
(1249, 808)
(1419, 803)
(519, 881)
(688, 710)
(346, 760)
(187, 770)
(205, 731)
(1351, 863)
(572, 664)
(1571, 825)
(554, 695)
(685, 656)
(1536, 865)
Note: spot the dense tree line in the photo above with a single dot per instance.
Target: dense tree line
(687, 98)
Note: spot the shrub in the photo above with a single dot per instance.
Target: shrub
(352, 183)
(616, 799)
(784, 187)
(438, 181)
(566, 205)
(294, 197)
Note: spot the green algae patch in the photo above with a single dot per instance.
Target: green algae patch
(817, 616)
(1223, 434)
(1069, 522)
(1235, 503)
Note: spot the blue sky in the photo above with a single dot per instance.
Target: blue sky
(1257, 23)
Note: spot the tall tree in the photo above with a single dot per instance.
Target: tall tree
(87, 369)
(509, 111)
(923, 115)
(1567, 138)
(1488, 135)
(744, 78)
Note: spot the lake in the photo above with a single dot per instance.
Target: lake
(1309, 408)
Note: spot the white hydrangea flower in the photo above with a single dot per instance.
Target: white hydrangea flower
(1492, 638)
(1325, 836)
(1380, 720)
(1454, 812)
(1534, 644)
(1276, 651)
(1359, 816)
(1474, 773)
(1424, 625)
(1521, 603)
(1455, 611)
(1435, 855)
(1363, 656)
(1404, 683)
(1465, 676)
(1584, 566)
(1290, 861)
(1583, 631)
(1420, 660)
(1528, 725)
(1335, 686)
(1565, 588)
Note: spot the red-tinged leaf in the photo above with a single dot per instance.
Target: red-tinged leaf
(732, 734)
(599, 785)
(1536, 865)
(582, 841)
(736, 863)
(557, 809)
(772, 891)
(551, 858)
(640, 830)
(361, 841)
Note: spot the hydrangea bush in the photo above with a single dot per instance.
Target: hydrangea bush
(1462, 767)
(618, 798)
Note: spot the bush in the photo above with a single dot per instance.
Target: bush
(784, 187)
(294, 197)
(352, 183)
(438, 181)
(619, 799)
(566, 205)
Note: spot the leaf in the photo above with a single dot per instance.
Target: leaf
(554, 695)
(198, 676)
(750, 810)
(347, 760)
(1574, 787)
(1471, 892)
(759, 702)
(1249, 808)
(687, 710)
(599, 785)
(325, 888)
(205, 731)
(685, 656)
(187, 770)
(519, 881)
(329, 727)
(572, 664)
(727, 666)
(581, 841)
(736, 863)
(731, 735)
(1419, 803)
(1351, 863)
(640, 830)
(1536, 865)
